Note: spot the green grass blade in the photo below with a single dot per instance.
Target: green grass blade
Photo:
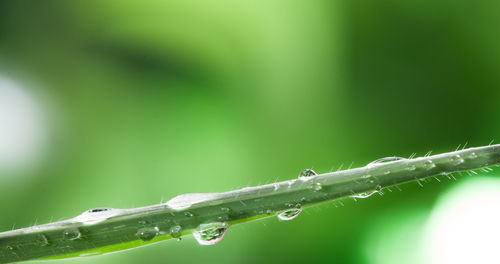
(105, 231)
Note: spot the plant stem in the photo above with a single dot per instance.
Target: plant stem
(102, 231)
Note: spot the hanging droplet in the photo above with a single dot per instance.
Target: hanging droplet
(176, 231)
(457, 160)
(378, 189)
(210, 234)
(289, 214)
(71, 234)
(364, 194)
(428, 164)
(307, 173)
(384, 160)
(147, 233)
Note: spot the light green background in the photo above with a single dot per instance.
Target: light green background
(150, 99)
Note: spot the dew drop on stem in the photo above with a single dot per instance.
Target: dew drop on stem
(384, 160)
(147, 233)
(307, 173)
(176, 231)
(289, 214)
(364, 194)
(72, 234)
(210, 234)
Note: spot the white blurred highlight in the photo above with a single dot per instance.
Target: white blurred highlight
(22, 130)
(465, 225)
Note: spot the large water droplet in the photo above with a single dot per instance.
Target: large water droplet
(457, 160)
(71, 234)
(147, 233)
(289, 214)
(97, 215)
(384, 160)
(428, 164)
(210, 234)
(176, 231)
(184, 201)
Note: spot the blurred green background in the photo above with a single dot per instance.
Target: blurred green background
(129, 103)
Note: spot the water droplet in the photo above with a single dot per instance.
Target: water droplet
(307, 173)
(71, 234)
(364, 194)
(97, 215)
(188, 214)
(428, 164)
(457, 160)
(384, 160)
(473, 155)
(147, 233)
(411, 167)
(176, 231)
(185, 201)
(42, 240)
(210, 234)
(289, 214)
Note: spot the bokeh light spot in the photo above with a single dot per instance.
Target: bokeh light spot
(21, 127)
(464, 226)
